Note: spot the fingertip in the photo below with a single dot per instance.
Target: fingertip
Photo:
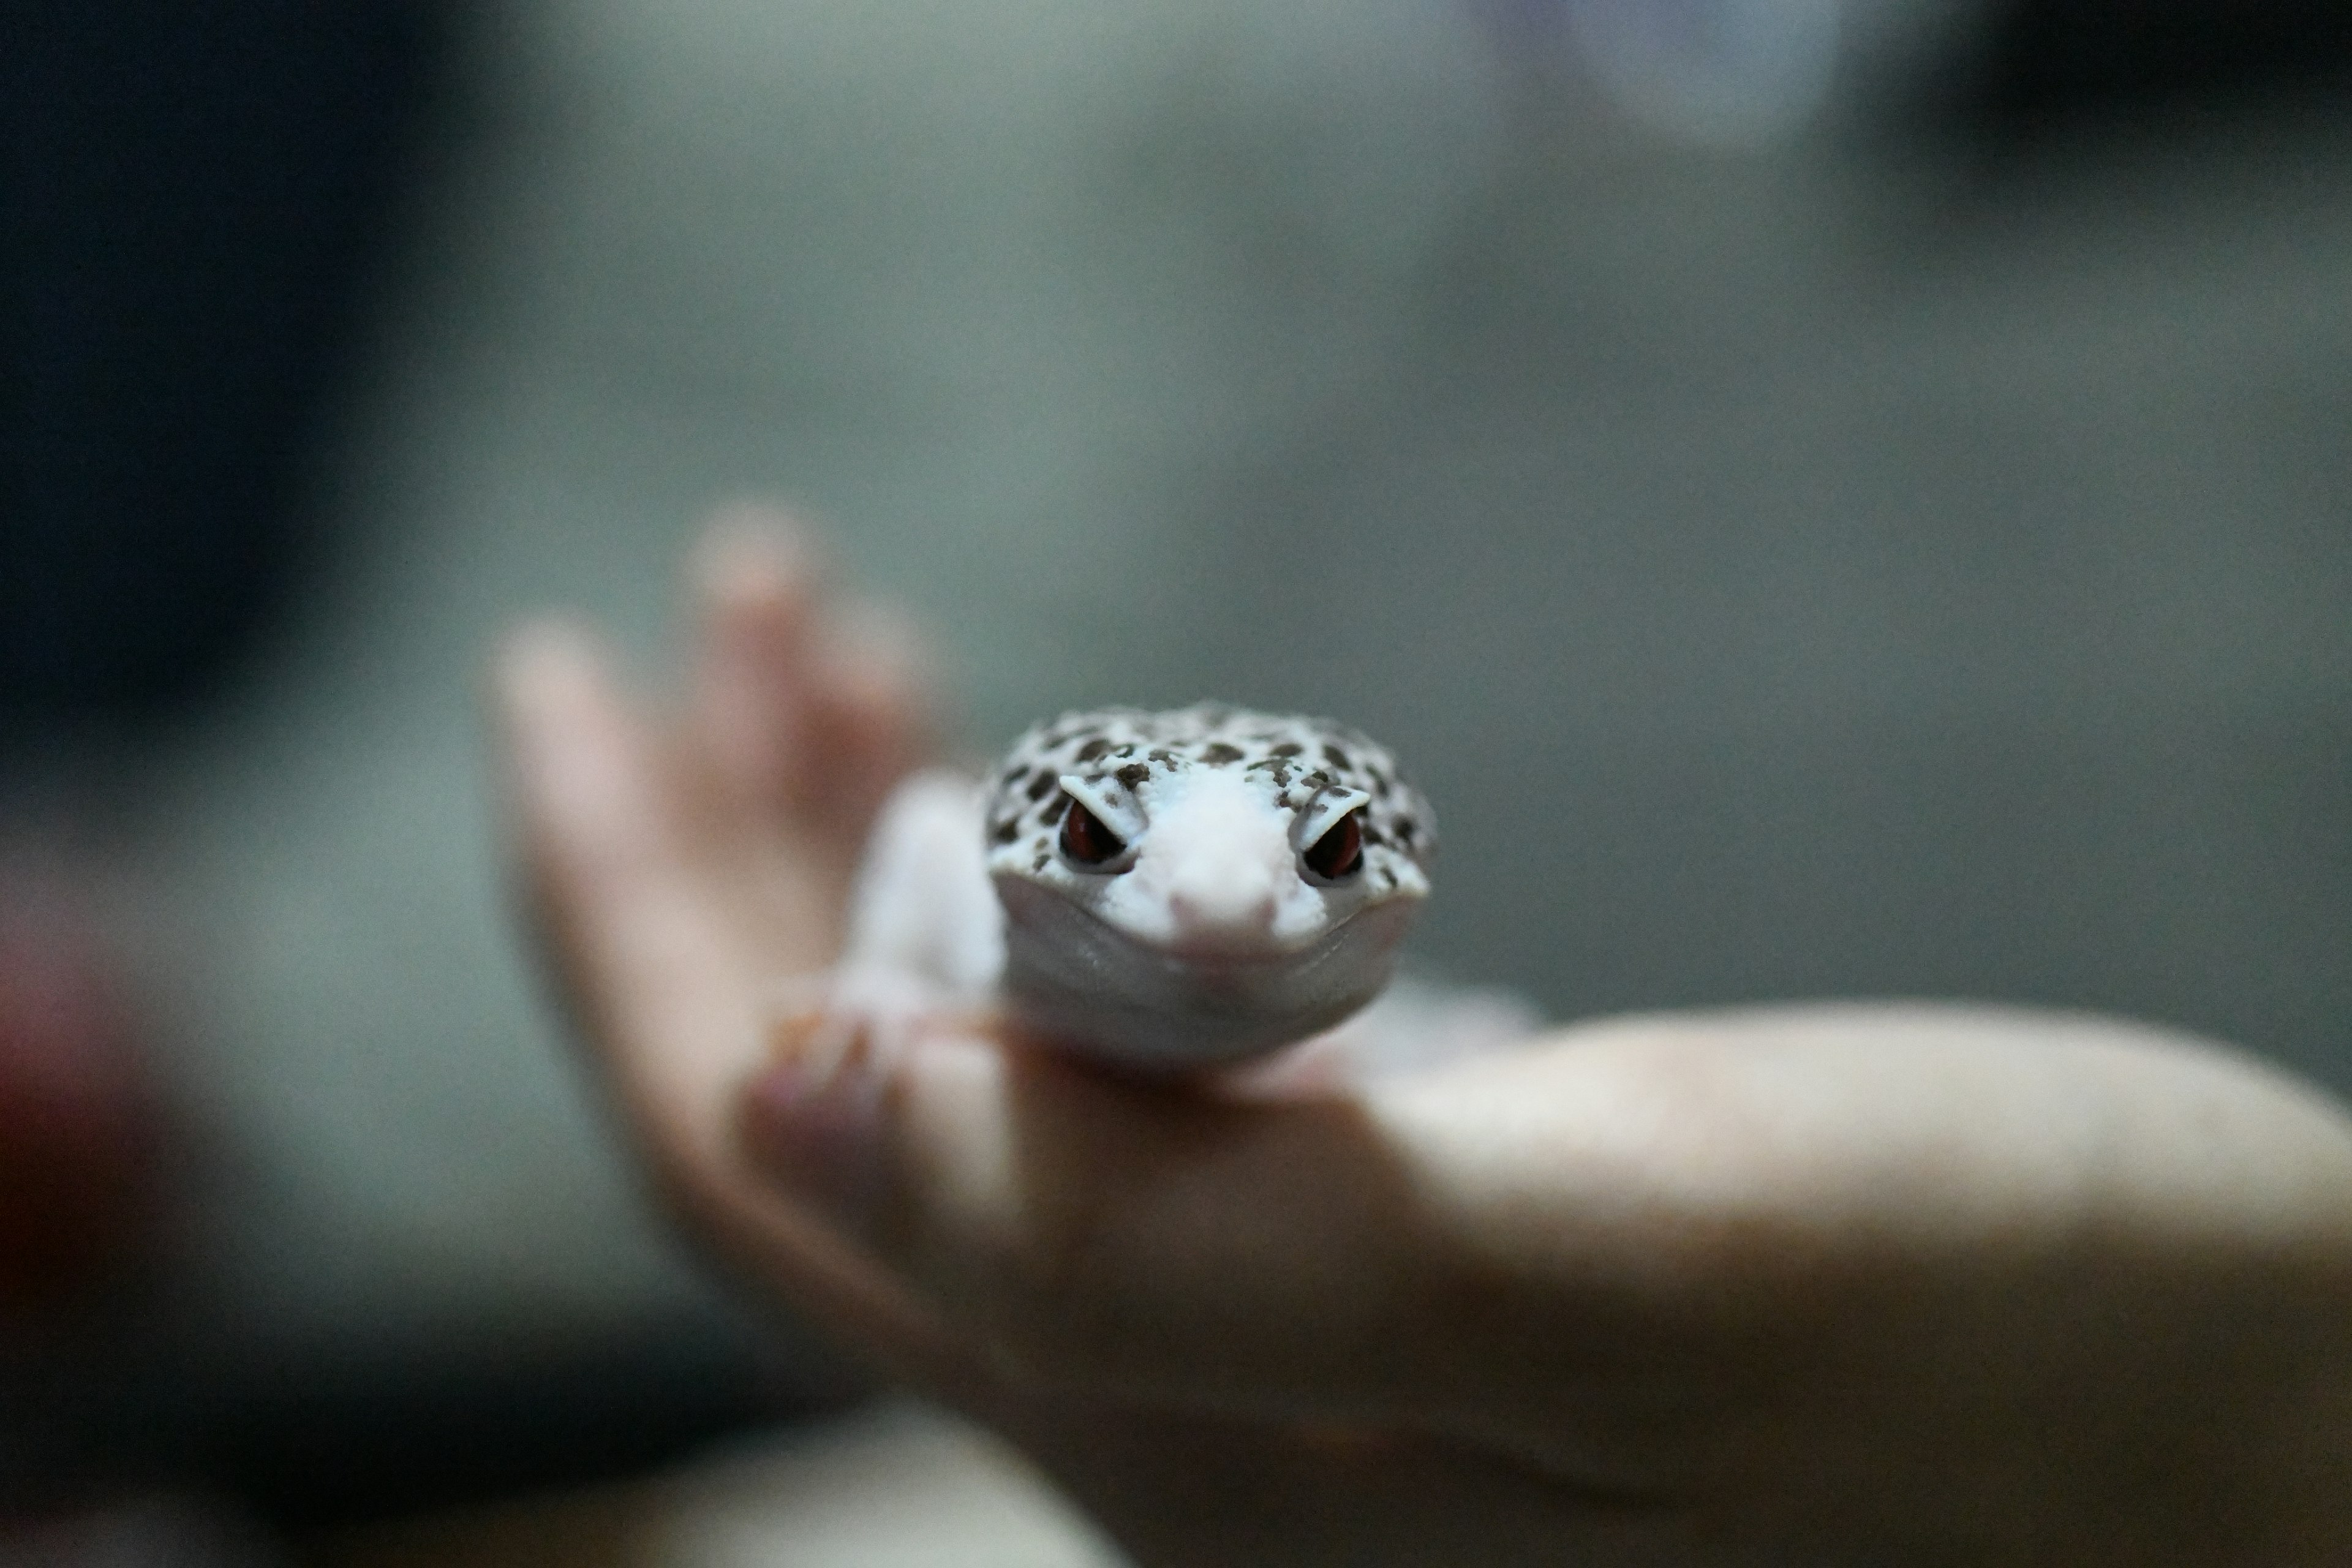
(549, 689)
(756, 517)
(758, 595)
(547, 659)
(880, 652)
(754, 556)
(875, 694)
(578, 768)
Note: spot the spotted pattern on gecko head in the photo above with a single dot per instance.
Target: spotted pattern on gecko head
(1292, 760)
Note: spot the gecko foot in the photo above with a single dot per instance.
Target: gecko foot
(854, 1018)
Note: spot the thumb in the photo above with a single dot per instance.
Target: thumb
(1442, 1243)
(1586, 1245)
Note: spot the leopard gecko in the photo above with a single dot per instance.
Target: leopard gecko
(1163, 891)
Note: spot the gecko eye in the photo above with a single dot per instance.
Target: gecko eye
(1085, 839)
(1339, 853)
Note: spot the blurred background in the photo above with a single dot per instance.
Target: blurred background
(1828, 496)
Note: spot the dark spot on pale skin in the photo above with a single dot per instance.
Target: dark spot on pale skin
(1303, 760)
(1039, 862)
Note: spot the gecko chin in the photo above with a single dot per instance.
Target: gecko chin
(1080, 980)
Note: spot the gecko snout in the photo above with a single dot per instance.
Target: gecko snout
(1233, 898)
(1238, 903)
(1217, 863)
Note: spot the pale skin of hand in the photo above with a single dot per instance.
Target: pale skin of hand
(1841, 1284)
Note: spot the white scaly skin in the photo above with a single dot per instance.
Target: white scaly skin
(1204, 936)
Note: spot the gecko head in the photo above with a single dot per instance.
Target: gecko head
(1211, 836)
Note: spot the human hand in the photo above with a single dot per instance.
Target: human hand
(1847, 1284)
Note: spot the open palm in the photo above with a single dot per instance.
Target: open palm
(1827, 1285)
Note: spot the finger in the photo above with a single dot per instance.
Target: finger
(666, 995)
(1265, 1256)
(867, 718)
(659, 977)
(758, 588)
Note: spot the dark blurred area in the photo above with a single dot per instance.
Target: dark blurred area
(1851, 645)
(203, 208)
(199, 201)
(2044, 70)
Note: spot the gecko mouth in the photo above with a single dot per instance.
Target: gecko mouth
(1212, 953)
(1107, 949)
(1080, 977)
(1237, 950)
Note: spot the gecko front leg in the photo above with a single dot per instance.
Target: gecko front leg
(925, 932)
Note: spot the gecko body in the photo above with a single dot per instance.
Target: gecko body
(1164, 890)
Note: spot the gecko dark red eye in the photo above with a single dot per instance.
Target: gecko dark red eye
(1085, 839)
(1341, 851)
